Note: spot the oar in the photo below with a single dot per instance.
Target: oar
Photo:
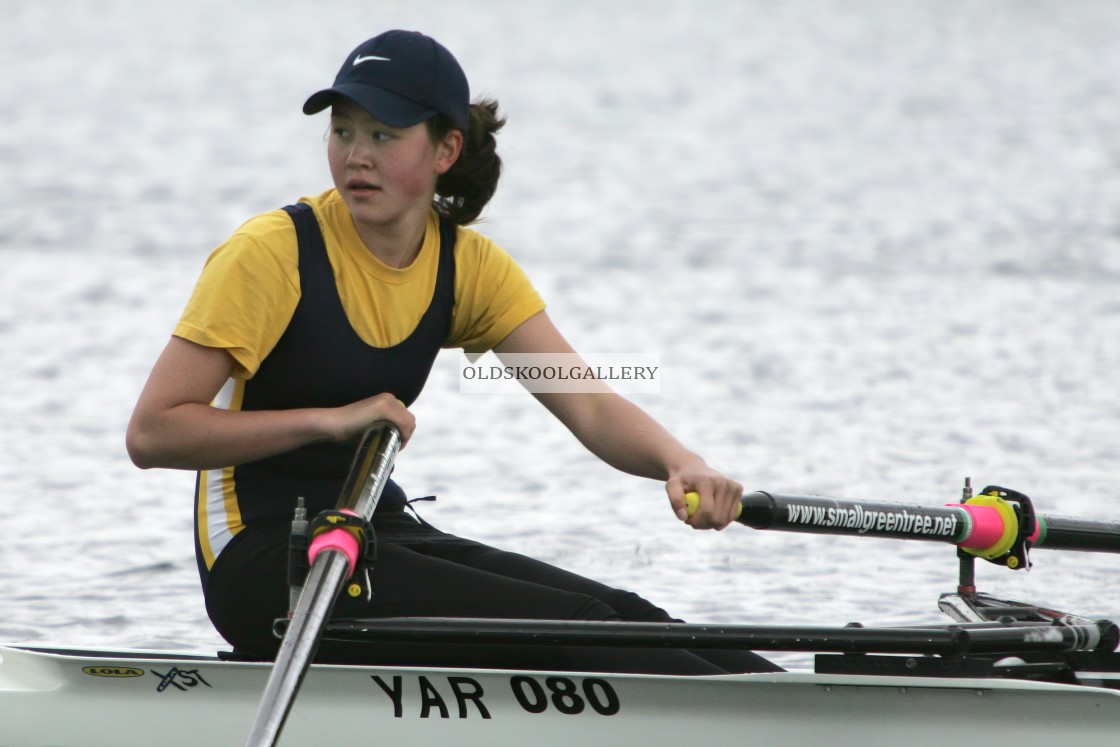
(946, 640)
(987, 525)
(337, 552)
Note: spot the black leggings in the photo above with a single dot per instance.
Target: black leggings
(421, 571)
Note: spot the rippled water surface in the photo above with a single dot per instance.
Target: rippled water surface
(876, 245)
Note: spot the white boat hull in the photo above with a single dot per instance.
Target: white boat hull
(113, 699)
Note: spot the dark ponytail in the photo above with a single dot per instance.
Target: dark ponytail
(467, 187)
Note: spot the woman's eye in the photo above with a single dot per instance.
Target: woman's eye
(381, 137)
(341, 132)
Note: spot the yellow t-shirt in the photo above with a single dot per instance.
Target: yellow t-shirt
(249, 287)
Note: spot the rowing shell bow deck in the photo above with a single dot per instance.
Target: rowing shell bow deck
(1041, 695)
(1003, 672)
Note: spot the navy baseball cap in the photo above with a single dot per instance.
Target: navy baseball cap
(400, 78)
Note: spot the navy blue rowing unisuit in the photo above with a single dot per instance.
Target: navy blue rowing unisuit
(320, 361)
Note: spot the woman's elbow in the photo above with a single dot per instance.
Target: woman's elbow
(138, 450)
(142, 445)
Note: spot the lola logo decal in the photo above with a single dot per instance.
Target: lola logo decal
(108, 671)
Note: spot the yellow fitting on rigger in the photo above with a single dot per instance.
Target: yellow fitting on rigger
(1010, 527)
(354, 590)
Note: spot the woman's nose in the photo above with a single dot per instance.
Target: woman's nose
(361, 153)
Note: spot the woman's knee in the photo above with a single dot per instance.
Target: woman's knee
(634, 608)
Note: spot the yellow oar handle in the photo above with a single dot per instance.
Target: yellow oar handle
(692, 503)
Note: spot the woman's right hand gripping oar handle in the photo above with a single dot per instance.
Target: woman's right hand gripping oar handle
(692, 504)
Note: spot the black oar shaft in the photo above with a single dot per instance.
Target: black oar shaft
(951, 640)
(950, 524)
(824, 515)
(369, 473)
(1067, 533)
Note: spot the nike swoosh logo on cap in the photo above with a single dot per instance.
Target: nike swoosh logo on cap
(359, 59)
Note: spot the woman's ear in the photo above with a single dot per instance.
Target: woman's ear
(448, 151)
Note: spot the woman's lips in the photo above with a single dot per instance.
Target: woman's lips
(358, 186)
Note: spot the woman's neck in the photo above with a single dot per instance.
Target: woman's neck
(395, 244)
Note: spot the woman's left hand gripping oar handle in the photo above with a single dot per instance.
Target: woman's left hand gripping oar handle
(692, 504)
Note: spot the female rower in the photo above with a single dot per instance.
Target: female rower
(312, 322)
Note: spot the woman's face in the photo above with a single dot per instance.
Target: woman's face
(385, 173)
